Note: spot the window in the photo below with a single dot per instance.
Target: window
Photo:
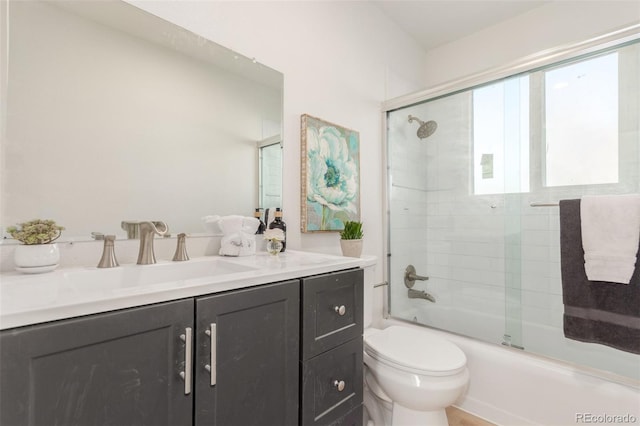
(573, 110)
(501, 137)
(581, 122)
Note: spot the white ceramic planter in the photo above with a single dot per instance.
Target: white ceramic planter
(36, 258)
(351, 248)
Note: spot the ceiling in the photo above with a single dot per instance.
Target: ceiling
(436, 22)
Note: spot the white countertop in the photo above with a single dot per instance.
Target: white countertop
(70, 292)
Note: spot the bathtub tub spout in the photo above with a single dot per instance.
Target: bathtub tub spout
(418, 294)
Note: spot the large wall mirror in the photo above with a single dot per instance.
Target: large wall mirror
(112, 114)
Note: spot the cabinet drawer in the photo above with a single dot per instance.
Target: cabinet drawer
(322, 401)
(332, 307)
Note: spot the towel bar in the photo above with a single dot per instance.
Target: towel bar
(543, 204)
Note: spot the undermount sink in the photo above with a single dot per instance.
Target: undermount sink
(129, 276)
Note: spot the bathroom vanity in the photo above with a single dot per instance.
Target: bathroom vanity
(272, 342)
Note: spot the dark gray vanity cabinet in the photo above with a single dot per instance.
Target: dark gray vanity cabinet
(251, 338)
(152, 365)
(272, 355)
(331, 362)
(118, 368)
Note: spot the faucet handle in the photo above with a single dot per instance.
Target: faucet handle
(181, 249)
(410, 276)
(108, 259)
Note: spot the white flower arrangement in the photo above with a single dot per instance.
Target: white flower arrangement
(274, 234)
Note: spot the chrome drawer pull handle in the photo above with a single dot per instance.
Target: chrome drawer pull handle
(340, 310)
(211, 367)
(186, 374)
(339, 384)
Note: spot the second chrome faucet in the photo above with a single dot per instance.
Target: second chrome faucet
(147, 231)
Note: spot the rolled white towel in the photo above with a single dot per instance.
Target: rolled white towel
(238, 244)
(231, 224)
(211, 224)
(250, 225)
(610, 236)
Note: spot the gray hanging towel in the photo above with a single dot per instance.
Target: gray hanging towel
(595, 311)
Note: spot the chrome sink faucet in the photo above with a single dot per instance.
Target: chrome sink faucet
(147, 231)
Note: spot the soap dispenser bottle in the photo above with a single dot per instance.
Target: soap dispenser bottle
(279, 224)
(262, 227)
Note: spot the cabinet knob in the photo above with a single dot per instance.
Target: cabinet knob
(340, 310)
(339, 384)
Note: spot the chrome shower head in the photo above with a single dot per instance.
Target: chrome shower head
(426, 129)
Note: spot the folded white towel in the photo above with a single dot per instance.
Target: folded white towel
(238, 244)
(238, 234)
(610, 236)
(250, 225)
(211, 224)
(231, 224)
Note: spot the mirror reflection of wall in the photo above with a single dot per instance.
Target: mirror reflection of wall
(114, 114)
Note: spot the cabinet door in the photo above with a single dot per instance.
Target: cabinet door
(118, 368)
(255, 357)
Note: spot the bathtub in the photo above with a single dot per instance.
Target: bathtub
(511, 387)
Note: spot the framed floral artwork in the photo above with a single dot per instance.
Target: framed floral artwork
(330, 175)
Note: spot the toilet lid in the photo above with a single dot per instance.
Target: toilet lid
(413, 350)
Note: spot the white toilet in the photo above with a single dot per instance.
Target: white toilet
(411, 376)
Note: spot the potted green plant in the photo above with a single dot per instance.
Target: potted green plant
(37, 253)
(351, 239)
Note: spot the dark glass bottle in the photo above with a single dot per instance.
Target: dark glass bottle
(262, 227)
(279, 223)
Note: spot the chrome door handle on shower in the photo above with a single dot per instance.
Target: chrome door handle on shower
(410, 276)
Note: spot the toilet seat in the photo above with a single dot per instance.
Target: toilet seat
(411, 350)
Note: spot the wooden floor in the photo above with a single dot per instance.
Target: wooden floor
(457, 417)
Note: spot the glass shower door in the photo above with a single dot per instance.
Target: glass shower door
(441, 227)
(473, 198)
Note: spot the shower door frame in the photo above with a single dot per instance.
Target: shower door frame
(526, 64)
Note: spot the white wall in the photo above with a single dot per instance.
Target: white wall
(552, 25)
(340, 61)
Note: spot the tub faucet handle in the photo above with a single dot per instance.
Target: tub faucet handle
(410, 276)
